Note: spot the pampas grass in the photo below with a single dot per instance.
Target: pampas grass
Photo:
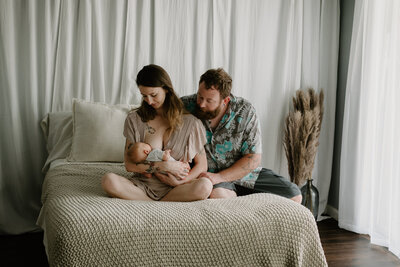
(303, 126)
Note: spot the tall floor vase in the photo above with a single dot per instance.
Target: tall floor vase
(310, 196)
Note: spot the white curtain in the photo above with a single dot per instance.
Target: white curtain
(369, 200)
(52, 51)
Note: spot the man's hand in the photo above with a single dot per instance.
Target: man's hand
(169, 179)
(215, 178)
(237, 171)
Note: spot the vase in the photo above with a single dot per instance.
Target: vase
(310, 197)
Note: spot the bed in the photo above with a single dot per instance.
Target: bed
(84, 227)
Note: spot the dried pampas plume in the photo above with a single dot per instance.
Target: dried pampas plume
(303, 126)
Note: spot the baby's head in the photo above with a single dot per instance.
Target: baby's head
(138, 152)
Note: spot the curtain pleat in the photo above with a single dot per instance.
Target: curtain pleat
(370, 158)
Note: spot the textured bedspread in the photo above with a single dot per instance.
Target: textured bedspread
(84, 227)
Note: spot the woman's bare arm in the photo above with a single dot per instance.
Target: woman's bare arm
(132, 166)
(200, 166)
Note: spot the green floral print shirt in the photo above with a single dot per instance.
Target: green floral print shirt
(237, 134)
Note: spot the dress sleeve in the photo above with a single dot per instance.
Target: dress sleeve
(196, 140)
(130, 128)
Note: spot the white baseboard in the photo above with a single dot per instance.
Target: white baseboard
(331, 211)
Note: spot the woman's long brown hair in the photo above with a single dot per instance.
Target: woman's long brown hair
(155, 76)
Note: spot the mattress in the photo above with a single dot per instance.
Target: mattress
(85, 227)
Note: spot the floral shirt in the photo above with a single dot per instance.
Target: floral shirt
(237, 134)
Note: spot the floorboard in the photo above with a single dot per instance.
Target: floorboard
(343, 248)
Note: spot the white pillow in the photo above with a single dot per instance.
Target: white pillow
(98, 131)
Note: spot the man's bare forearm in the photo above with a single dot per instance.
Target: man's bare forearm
(240, 168)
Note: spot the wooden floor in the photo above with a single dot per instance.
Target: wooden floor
(342, 248)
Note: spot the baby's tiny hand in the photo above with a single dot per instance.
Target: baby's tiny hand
(167, 154)
(147, 175)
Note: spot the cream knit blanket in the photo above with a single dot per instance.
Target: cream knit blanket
(84, 227)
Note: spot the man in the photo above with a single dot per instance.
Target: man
(233, 141)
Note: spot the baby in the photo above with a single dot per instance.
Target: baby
(142, 151)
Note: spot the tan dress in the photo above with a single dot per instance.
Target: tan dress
(184, 144)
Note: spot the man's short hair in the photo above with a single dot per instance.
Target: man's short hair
(219, 79)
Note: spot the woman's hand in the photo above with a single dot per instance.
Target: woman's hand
(177, 169)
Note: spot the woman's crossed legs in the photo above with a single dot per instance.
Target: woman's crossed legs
(120, 187)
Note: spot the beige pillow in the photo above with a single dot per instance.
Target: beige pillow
(98, 131)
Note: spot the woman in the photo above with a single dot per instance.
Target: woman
(161, 122)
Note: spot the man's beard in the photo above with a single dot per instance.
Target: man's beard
(207, 115)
